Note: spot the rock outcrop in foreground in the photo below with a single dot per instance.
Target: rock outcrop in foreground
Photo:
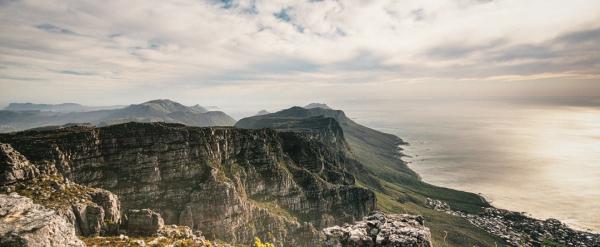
(379, 229)
(24, 223)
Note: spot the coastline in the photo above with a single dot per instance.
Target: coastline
(486, 198)
(540, 160)
(574, 226)
(517, 228)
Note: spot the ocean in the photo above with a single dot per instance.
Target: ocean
(542, 159)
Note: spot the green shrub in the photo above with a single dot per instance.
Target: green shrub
(258, 243)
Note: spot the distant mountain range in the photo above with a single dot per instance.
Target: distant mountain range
(64, 107)
(21, 116)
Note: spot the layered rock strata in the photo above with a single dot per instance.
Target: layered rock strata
(231, 184)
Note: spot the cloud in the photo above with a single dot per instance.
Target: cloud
(583, 36)
(54, 29)
(78, 73)
(283, 15)
(457, 51)
(418, 14)
(209, 44)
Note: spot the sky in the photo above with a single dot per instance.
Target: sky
(236, 53)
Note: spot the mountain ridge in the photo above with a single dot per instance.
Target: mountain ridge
(63, 107)
(160, 110)
(398, 188)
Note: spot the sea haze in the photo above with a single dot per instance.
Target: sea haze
(543, 159)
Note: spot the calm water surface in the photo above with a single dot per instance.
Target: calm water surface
(543, 160)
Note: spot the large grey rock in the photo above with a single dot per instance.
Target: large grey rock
(111, 206)
(23, 223)
(89, 218)
(14, 166)
(109, 202)
(379, 229)
(144, 222)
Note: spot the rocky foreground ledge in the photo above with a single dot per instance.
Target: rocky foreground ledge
(379, 229)
(23, 223)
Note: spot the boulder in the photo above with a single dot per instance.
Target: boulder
(89, 218)
(109, 202)
(379, 229)
(24, 223)
(143, 222)
(111, 206)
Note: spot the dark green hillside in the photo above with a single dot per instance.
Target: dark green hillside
(398, 188)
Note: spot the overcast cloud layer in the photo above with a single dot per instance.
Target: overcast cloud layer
(219, 52)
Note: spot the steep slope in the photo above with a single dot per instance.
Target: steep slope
(364, 141)
(232, 184)
(398, 188)
(151, 111)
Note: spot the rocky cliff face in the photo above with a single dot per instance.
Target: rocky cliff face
(92, 211)
(231, 184)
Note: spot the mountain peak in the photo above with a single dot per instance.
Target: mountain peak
(164, 105)
(262, 112)
(317, 105)
(160, 101)
(198, 108)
